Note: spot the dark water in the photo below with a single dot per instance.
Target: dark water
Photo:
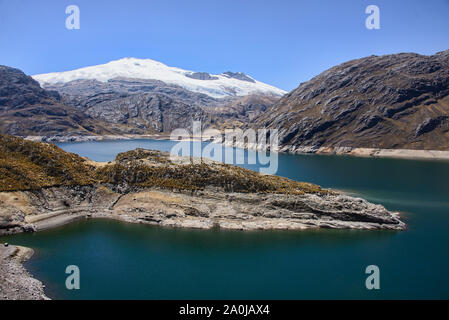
(119, 260)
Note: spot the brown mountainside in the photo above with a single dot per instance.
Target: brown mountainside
(398, 101)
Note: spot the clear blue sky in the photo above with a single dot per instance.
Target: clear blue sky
(281, 42)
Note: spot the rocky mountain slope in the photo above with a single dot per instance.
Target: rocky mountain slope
(238, 112)
(26, 165)
(398, 101)
(145, 186)
(27, 109)
(90, 107)
(138, 106)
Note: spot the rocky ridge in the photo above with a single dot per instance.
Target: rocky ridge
(117, 107)
(145, 186)
(137, 106)
(398, 101)
(27, 109)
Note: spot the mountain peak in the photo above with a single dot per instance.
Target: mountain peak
(239, 76)
(223, 85)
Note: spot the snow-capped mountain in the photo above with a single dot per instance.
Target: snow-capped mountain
(223, 85)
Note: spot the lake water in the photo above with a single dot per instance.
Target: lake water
(128, 261)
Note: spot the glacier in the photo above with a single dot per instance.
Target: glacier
(217, 85)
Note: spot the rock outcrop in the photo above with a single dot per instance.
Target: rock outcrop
(398, 101)
(120, 106)
(147, 186)
(27, 109)
(137, 106)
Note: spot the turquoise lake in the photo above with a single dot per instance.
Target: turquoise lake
(130, 261)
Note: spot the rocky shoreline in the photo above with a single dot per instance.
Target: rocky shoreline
(207, 209)
(85, 138)
(15, 282)
(356, 152)
(371, 152)
(288, 149)
(34, 211)
(43, 187)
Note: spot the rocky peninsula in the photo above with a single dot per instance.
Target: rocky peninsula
(42, 186)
